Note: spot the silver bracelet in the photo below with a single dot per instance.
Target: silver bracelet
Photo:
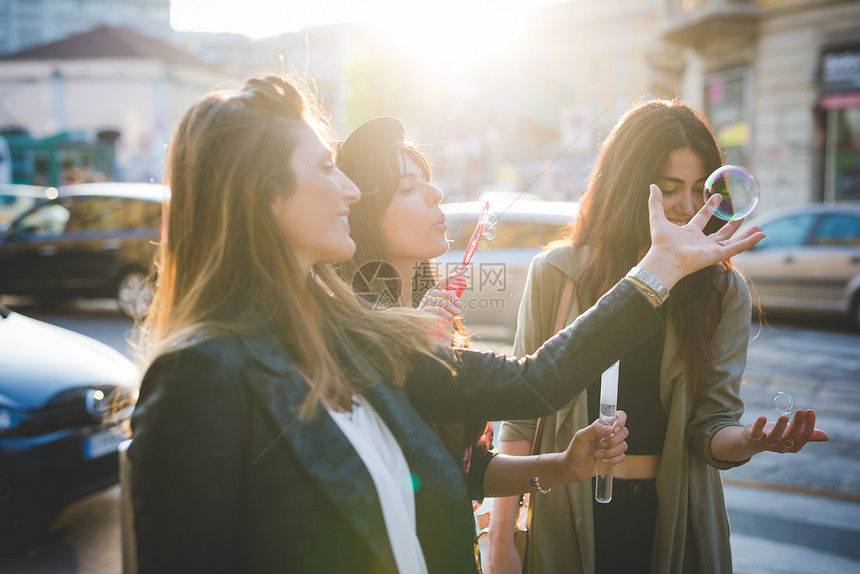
(534, 479)
(652, 283)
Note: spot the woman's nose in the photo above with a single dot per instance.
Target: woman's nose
(349, 191)
(688, 206)
(433, 194)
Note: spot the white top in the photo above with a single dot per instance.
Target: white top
(383, 458)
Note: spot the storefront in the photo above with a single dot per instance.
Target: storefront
(839, 114)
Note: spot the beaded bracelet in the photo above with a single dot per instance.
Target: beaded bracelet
(534, 479)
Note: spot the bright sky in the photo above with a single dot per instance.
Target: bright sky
(260, 18)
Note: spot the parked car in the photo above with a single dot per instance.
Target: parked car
(809, 261)
(497, 273)
(65, 401)
(93, 240)
(15, 199)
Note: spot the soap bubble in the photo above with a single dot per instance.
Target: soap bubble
(783, 403)
(490, 226)
(739, 189)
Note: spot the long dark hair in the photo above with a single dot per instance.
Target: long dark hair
(613, 219)
(374, 158)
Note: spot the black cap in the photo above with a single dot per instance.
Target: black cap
(360, 154)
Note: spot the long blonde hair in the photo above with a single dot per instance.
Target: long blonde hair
(225, 268)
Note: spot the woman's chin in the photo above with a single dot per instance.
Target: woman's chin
(343, 253)
(441, 248)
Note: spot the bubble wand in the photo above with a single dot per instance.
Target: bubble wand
(608, 401)
(458, 283)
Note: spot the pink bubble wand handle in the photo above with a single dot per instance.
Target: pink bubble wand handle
(458, 284)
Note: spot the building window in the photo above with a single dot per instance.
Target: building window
(839, 101)
(842, 155)
(726, 109)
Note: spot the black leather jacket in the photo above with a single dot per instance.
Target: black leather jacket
(225, 478)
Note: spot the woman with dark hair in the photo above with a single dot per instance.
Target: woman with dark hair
(398, 225)
(680, 387)
(281, 424)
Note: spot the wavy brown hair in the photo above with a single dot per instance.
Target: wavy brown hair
(613, 219)
(378, 186)
(225, 268)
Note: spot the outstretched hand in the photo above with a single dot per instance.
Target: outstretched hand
(762, 435)
(677, 251)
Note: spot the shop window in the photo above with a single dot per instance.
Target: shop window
(726, 109)
(842, 155)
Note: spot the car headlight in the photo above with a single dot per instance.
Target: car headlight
(9, 419)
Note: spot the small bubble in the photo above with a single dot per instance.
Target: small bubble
(783, 403)
(739, 189)
(490, 231)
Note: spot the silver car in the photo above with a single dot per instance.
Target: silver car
(809, 261)
(497, 273)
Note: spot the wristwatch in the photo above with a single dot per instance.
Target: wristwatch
(654, 286)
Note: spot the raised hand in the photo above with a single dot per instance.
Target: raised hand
(677, 251)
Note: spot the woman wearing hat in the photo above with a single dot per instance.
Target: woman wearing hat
(398, 228)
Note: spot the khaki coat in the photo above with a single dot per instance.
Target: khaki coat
(692, 531)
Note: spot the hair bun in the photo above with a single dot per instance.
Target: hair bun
(274, 94)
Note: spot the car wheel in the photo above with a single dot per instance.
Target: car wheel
(134, 293)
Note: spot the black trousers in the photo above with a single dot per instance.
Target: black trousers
(624, 528)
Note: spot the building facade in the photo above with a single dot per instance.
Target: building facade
(109, 84)
(27, 23)
(780, 82)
